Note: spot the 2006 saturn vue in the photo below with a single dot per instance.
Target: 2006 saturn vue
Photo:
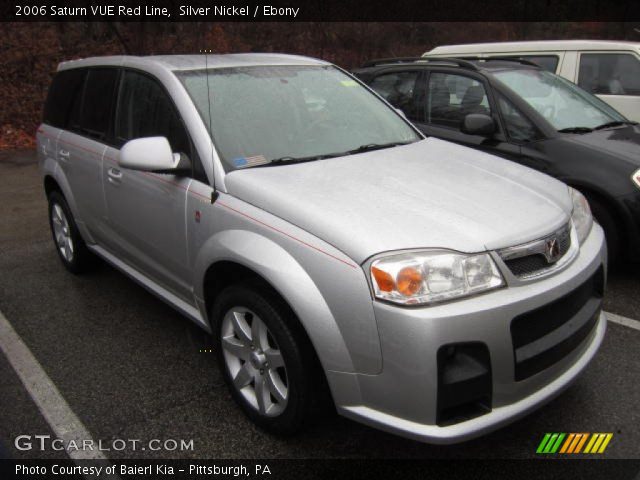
(324, 241)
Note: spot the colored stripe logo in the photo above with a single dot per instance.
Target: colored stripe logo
(574, 443)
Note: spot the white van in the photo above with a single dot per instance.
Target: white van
(608, 69)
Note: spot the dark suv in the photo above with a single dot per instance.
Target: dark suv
(514, 109)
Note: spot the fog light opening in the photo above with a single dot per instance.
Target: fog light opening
(464, 382)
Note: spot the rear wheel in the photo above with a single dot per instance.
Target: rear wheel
(70, 246)
(266, 362)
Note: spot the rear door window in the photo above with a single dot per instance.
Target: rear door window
(65, 88)
(610, 73)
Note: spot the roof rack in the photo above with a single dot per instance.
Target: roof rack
(466, 62)
(384, 61)
(391, 61)
(506, 58)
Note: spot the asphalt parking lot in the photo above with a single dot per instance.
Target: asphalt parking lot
(130, 367)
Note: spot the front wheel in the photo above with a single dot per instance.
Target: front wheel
(266, 361)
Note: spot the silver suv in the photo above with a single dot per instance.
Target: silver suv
(437, 291)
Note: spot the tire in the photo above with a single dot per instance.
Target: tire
(71, 248)
(260, 351)
(614, 243)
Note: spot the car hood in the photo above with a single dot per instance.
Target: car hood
(620, 142)
(429, 194)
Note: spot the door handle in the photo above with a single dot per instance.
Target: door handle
(115, 175)
(64, 154)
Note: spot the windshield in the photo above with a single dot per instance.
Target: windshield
(563, 104)
(256, 115)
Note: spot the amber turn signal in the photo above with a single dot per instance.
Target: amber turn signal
(409, 281)
(383, 279)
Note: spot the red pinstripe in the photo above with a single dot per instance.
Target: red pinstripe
(218, 203)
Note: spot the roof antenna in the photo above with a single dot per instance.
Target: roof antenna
(214, 193)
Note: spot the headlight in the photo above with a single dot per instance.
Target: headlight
(581, 215)
(636, 178)
(427, 277)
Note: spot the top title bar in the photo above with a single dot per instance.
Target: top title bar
(319, 10)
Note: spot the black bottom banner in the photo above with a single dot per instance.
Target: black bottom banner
(321, 469)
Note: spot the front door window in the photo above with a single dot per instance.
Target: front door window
(451, 97)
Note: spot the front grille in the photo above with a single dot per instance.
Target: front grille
(547, 334)
(528, 265)
(532, 258)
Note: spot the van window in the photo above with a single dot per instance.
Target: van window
(610, 73)
(97, 102)
(145, 110)
(548, 62)
(65, 87)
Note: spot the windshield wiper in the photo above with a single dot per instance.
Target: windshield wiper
(616, 123)
(576, 130)
(362, 148)
(369, 147)
(281, 160)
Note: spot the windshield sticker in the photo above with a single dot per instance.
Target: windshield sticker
(245, 162)
(349, 83)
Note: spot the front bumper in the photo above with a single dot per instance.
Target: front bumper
(403, 399)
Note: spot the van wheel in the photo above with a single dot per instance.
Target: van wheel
(70, 246)
(267, 364)
(606, 221)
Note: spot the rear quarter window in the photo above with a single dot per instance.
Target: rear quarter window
(65, 87)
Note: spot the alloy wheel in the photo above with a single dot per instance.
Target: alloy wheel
(62, 232)
(254, 361)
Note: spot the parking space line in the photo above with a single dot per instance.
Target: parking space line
(627, 322)
(52, 405)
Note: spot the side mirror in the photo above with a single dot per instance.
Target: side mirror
(478, 124)
(151, 154)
